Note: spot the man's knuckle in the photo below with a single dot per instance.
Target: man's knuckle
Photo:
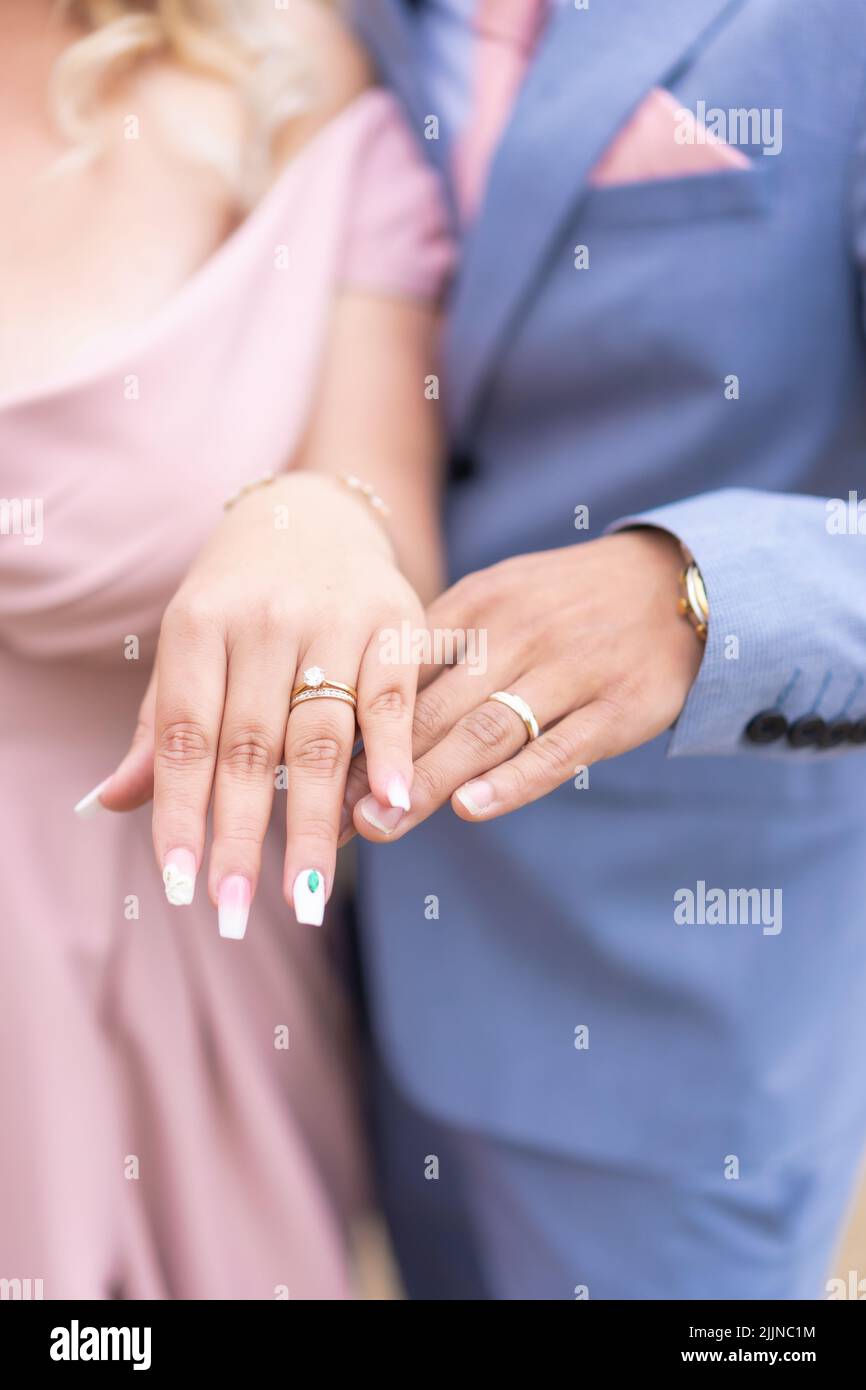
(430, 716)
(429, 780)
(555, 752)
(604, 733)
(357, 784)
(487, 728)
(517, 780)
(621, 695)
(497, 580)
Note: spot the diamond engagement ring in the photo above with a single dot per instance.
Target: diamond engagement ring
(316, 686)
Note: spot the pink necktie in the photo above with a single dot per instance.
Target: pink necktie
(506, 33)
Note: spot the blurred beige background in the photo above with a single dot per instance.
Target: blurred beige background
(852, 1252)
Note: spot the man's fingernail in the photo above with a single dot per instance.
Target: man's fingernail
(178, 875)
(384, 818)
(476, 797)
(233, 906)
(90, 804)
(398, 793)
(309, 897)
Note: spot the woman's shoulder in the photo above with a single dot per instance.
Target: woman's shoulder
(340, 72)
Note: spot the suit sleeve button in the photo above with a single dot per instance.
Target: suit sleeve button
(766, 727)
(834, 734)
(806, 732)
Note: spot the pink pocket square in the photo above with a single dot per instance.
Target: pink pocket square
(663, 140)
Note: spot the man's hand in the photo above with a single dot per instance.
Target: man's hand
(589, 636)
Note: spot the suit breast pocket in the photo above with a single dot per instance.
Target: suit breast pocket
(697, 198)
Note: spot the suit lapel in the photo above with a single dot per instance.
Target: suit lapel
(388, 30)
(591, 71)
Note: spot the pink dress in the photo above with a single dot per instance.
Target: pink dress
(158, 1138)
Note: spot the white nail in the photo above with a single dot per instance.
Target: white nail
(90, 804)
(466, 800)
(309, 897)
(380, 817)
(398, 794)
(178, 875)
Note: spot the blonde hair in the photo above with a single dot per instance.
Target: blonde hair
(241, 42)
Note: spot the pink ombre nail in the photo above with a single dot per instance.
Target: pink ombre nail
(233, 906)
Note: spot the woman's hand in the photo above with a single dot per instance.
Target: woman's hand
(299, 574)
(590, 637)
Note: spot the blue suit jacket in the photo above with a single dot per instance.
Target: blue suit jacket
(610, 387)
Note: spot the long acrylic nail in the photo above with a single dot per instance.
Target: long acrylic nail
(398, 793)
(233, 906)
(178, 875)
(384, 818)
(477, 797)
(90, 805)
(309, 897)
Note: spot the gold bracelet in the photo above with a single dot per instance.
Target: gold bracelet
(693, 604)
(367, 491)
(247, 487)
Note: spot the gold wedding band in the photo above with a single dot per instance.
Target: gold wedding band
(326, 693)
(520, 708)
(316, 686)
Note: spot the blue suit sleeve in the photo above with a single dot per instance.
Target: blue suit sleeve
(786, 581)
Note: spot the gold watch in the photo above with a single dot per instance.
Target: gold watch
(693, 604)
